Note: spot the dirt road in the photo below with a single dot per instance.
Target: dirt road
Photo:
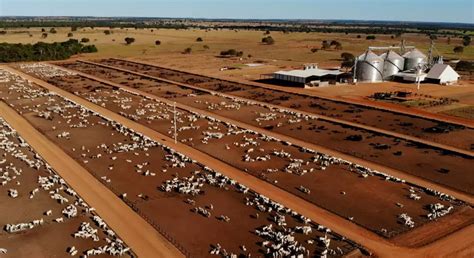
(321, 117)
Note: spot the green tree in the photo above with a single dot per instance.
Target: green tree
(347, 56)
(466, 40)
(458, 49)
(370, 37)
(465, 66)
(52, 31)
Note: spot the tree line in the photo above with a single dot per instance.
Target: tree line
(43, 51)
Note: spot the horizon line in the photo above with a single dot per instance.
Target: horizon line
(244, 19)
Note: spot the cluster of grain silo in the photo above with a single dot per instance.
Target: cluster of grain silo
(371, 67)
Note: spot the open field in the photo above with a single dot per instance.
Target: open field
(290, 51)
(292, 48)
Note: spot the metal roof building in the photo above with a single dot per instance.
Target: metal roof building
(443, 74)
(410, 77)
(310, 73)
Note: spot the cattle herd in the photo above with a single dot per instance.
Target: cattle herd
(183, 198)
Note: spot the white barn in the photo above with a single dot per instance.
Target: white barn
(310, 73)
(443, 74)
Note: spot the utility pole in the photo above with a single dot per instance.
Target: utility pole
(418, 79)
(175, 125)
(402, 47)
(430, 54)
(354, 78)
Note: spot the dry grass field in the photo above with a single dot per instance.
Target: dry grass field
(290, 51)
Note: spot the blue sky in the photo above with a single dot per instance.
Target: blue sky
(405, 10)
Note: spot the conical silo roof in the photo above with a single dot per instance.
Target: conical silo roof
(415, 53)
(391, 55)
(369, 56)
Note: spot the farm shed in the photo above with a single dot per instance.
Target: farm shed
(309, 74)
(442, 74)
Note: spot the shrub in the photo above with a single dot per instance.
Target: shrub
(314, 50)
(347, 56)
(466, 40)
(199, 39)
(206, 47)
(107, 32)
(70, 35)
(370, 37)
(53, 31)
(187, 50)
(129, 40)
(85, 40)
(458, 49)
(268, 40)
(44, 35)
(232, 52)
(157, 42)
(465, 66)
(89, 49)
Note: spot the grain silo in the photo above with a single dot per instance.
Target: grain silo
(413, 58)
(393, 64)
(369, 67)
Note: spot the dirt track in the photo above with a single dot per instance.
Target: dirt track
(380, 246)
(136, 232)
(331, 119)
(409, 178)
